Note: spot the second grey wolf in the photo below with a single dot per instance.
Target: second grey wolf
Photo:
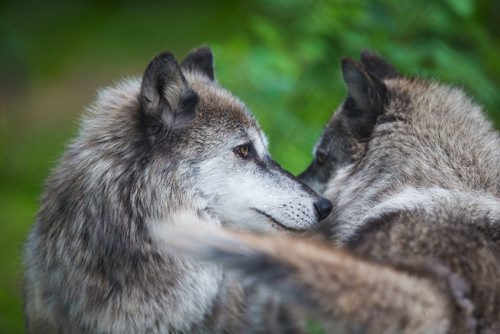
(173, 148)
(413, 170)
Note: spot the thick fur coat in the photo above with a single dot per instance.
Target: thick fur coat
(413, 170)
(170, 149)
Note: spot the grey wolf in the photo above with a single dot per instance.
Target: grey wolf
(171, 149)
(413, 170)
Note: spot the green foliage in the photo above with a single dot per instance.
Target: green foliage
(281, 57)
(288, 67)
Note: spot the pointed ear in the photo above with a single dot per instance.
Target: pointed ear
(366, 100)
(167, 101)
(366, 90)
(200, 60)
(377, 66)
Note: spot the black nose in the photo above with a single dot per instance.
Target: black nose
(324, 207)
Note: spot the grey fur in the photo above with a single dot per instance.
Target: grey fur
(431, 141)
(422, 186)
(413, 170)
(153, 153)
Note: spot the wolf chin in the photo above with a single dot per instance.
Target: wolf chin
(170, 149)
(413, 170)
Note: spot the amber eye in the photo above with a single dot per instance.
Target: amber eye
(243, 150)
(320, 157)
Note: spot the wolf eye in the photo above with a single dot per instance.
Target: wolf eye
(321, 157)
(244, 151)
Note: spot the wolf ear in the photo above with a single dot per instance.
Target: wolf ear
(166, 99)
(377, 66)
(200, 60)
(366, 100)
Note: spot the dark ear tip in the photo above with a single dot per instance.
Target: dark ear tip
(377, 65)
(160, 62)
(346, 61)
(164, 57)
(162, 70)
(201, 60)
(367, 54)
(204, 50)
(348, 64)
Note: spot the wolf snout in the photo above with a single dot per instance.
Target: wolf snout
(323, 207)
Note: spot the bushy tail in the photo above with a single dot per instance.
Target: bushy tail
(341, 290)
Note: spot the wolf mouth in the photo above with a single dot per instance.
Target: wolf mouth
(276, 222)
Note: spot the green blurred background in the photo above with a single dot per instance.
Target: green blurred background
(280, 56)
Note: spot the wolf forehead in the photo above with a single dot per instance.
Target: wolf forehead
(216, 106)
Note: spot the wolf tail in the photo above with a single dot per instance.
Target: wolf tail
(342, 291)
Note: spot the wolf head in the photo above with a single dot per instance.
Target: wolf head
(173, 142)
(397, 135)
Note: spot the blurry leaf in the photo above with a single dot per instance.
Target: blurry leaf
(310, 50)
(463, 8)
(266, 32)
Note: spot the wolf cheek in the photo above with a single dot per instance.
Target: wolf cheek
(269, 199)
